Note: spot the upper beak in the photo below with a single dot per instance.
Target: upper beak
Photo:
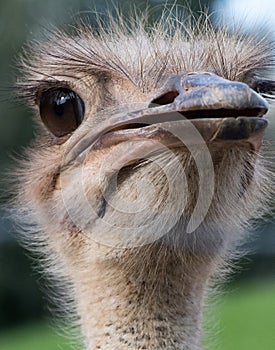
(216, 96)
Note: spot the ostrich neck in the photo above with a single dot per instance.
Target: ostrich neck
(141, 301)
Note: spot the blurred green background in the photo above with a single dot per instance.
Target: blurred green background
(243, 317)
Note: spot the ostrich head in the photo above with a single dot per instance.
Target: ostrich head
(145, 170)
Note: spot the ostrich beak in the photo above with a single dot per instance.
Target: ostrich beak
(220, 109)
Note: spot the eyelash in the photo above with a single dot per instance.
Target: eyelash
(30, 93)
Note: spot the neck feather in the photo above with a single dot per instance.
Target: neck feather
(147, 298)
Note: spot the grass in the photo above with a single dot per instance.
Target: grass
(244, 319)
(33, 337)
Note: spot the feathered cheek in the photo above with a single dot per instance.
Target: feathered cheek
(113, 206)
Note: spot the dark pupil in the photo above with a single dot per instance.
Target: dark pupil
(59, 109)
(59, 105)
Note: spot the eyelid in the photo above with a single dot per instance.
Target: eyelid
(32, 91)
(47, 85)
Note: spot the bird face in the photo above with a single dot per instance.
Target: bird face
(147, 135)
(137, 143)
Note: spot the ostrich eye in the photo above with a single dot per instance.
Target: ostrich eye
(61, 110)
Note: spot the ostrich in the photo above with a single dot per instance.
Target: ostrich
(145, 172)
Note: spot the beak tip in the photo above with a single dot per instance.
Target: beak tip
(242, 128)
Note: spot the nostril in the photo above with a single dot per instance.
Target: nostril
(164, 99)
